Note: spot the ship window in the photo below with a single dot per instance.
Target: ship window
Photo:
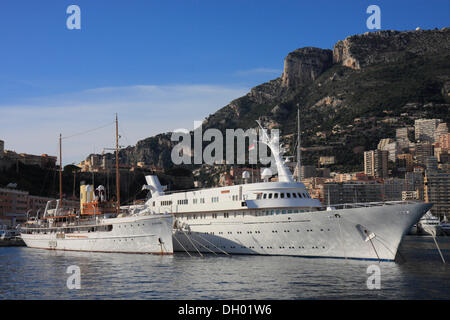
(275, 195)
(270, 196)
(265, 196)
(294, 194)
(288, 195)
(299, 195)
(282, 195)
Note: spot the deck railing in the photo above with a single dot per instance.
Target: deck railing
(369, 204)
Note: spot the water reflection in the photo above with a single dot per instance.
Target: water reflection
(40, 274)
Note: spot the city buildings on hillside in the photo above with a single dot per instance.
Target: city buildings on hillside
(351, 192)
(376, 163)
(15, 205)
(9, 158)
(402, 138)
(104, 163)
(425, 129)
(437, 191)
(441, 130)
(327, 160)
(391, 146)
(405, 162)
(423, 150)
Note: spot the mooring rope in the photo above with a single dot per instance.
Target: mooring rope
(192, 243)
(213, 245)
(437, 246)
(182, 246)
(204, 246)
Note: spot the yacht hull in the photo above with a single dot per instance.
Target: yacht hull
(372, 233)
(142, 234)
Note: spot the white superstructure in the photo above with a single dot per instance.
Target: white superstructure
(280, 218)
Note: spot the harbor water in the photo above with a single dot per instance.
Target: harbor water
(40, 274)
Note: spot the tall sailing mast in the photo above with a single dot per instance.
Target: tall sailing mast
(298, 145)
(60, 170)
(117, 167)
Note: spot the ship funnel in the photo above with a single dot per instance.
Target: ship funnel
(86, 195)
(154, 186)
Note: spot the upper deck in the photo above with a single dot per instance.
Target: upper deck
(237, 197)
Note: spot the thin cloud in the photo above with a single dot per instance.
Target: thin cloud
(144, 111)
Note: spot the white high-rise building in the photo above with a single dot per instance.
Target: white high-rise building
(391, 147)
(442, 129)
(401, 136)
(425, 129)
(376, 163)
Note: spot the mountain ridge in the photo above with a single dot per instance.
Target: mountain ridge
(375, 76)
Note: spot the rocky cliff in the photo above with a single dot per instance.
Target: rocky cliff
(373, 77)
(304, 65)
(362, 50)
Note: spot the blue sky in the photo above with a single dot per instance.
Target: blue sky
(159, 64)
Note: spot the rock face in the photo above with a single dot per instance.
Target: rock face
(268, 91)
(304, 65)
(362, 50)
(152, 151)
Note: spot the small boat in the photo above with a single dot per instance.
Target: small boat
(10, 237)
(428, 224)
(444, 227)
(7, 233)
